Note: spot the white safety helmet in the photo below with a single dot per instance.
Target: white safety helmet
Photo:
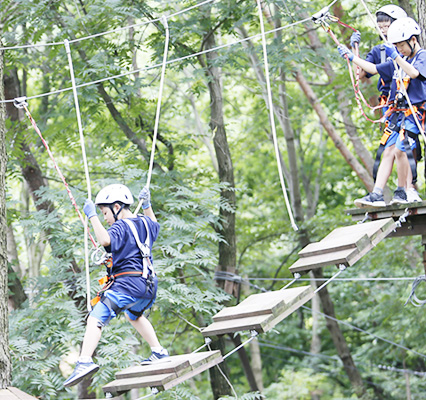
(392, 11)
(113, 193)
(403, 29)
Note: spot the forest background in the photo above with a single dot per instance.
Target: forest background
(215, 188)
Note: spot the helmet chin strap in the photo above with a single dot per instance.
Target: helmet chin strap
(411, 48)
(111, 207)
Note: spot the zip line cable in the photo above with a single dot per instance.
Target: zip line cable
(86, 170)
(27, 46)
(402, 279)
(157, 114)
(336, 359)
(270, 106)
(110, 78)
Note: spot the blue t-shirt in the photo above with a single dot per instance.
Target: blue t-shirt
(126, 255)
(377, 55)
(417, 87)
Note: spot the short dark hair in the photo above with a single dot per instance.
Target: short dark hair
(383, 17)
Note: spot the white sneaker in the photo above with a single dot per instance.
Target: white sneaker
(412, 195)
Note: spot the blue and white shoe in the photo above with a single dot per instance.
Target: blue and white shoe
(156, 357)
(81, 371)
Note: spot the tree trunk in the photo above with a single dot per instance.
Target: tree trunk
(407, 6)
(5, 365)
(362, 173)
(339, 340)
(227, 248)
(421, 10)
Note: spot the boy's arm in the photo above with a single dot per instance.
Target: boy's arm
(101, 233)
(145, 196)
(365, 65)
(409, 69)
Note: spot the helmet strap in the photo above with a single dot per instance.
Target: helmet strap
(111, 207)
(411, 48)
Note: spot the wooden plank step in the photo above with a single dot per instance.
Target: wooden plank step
(135, 378)
(263, 304)
(347, 237)
(345, 253)
(290, 301)
(13, 393)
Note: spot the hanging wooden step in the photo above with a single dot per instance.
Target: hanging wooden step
(345, 245)
(259, 312)
(162, 374)
(12, 393)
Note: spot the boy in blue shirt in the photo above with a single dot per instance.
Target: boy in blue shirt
(402, 132)
(132, 284)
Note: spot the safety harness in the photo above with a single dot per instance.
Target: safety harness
(398, 112)
(147, 272)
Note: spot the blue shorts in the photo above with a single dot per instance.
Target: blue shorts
(400, 144)
(392, 139)
(104, 314)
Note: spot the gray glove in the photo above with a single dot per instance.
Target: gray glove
(145, 196)
(355, 38)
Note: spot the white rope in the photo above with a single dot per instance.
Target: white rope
(110, 78)
(404, 91)
(86, 170)
(28, 46)
(157, 114)
(402, 279)
(272, 118)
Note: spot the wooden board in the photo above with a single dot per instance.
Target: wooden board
(263, 304)
(180, 368)
(363, 237)
(12, 393)
(280, 304)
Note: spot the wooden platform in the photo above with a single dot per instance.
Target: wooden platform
(163, 375)
(259, 312)
(345, 245)
(415, 224)
(12, 393)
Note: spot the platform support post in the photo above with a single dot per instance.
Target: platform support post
(424, 252)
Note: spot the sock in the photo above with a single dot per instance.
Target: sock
(85, 359)
(378, 190)
(160, 350)
(401, 188)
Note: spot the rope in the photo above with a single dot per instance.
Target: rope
(415, 301)
(157, 114)
(21, 103)
(337, 279)
(404, 91)
(110, 78)
(86, 170)
(27, 46)
(270, 106)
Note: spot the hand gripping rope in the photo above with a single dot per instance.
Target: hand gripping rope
(157, 114)
(21, 102)
(270, 106)
(321, 18)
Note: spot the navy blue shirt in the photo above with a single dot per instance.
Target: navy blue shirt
(416, 89)
(377, 55)
(126, 255)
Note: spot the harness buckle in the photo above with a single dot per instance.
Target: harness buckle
(386, 133)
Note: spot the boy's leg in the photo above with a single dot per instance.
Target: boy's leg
(146, 330)
(85, 366)
(91, 337)
(385, 167)
(375, 198)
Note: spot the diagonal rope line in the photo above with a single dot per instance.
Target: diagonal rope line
(192, 55)
(28, 46)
